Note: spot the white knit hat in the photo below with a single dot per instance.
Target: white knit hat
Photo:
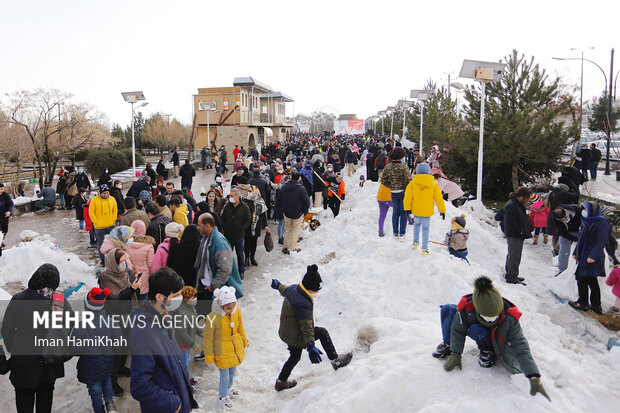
(173, 230)
(226, 295)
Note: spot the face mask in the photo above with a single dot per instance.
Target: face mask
(80, 171)
(119, 186)
(175, 302)
(231, 199)
(584, 213)
(106, 171)
(489, 319)
(193, 301)
(122, 266)
(329, 169)
(218, 179)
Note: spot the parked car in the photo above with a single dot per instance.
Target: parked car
(614, 149)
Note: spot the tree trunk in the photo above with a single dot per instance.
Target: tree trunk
(515, 176)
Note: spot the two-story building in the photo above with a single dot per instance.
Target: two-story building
(248, 114)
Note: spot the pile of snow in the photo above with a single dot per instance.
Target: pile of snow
(381, 299)
(18, 263)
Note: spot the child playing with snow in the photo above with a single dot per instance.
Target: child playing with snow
(225, 341)
(186, 332)
(538, 214)
(456, 239)
(614, 280)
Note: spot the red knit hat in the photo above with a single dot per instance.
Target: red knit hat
(95, 299)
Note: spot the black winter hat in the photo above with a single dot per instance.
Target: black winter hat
(46, 276)
(312, 280)
(397, 153)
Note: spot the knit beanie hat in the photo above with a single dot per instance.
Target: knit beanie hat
(535, 198)
(487, 300)
(423, 168)
(46, 276)
(173, 230)
(104, 188)
(397, 154)
(225, 295)
(188, 292)
(139, 227)
(460, 220)
(312, 279)
(95, 299)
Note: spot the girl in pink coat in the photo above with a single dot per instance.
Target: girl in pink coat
(538, 214)
(167, 247)
(614, 280)
(142, 253)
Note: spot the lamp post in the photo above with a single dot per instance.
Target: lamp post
(421, 95)
(209, 107)
(392, 109)
(609, 97)
(381, 114)
(133, 97)
(483, 72)
(405, 104)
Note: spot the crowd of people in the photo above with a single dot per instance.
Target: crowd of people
(169, 251)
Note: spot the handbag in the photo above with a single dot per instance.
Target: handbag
(268, 242)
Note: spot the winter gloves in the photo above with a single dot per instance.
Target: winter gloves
(314, 353)
(537, 387)
(410, 218)
(454, 360)
(275, 284)
(443, 216)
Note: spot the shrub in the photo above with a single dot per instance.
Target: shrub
(113, 159)
(127, 153)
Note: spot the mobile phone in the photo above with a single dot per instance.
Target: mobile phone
(138, 276)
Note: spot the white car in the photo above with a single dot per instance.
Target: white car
(614, 149)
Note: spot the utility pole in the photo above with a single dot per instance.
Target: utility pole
(609, 108)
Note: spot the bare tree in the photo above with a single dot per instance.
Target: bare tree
(84, 131)
(162, 133)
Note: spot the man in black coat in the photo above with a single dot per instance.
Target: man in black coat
(294, 202)
(586, 158)
(516, 229)
(187, 173)
(560, 194)
(81, 179)
(596, 158)
(157, 227)
(139, 186)
(235, 221)
(117, 193)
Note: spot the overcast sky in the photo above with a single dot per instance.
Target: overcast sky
(353, 56)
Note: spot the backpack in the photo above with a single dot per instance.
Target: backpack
(145, 196)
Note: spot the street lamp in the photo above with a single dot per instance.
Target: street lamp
(209, 107)
(421, 95)
(133, 97)
(381, 114)
(391, 109)
(609, 98)
(483, 72)
(405, 104)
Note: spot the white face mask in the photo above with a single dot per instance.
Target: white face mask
(175, 302)
(584, 213)
(122, 266)
(119, 186)
(218, 179)
(193, 301)
(329, 169)
(231, 199)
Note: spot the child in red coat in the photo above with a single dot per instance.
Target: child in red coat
(538, 214)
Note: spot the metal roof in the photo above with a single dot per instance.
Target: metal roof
(250, 81)
(276, 95)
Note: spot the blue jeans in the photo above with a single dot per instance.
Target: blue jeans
(281, 228)
(425, 223)
(185, 353)
(593, 166)
(226, 381)
(538, 230)
(564, 253)
(237, 244)
(399, 216)
(82, 224)
(477, 332)
(98, 391)
(100, 234)
(458, 254)
(62, 200)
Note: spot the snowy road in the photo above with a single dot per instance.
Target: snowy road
(381, 299)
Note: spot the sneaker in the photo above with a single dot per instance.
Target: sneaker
(442, 351)
(234, 393)
(424, 251)
(284, 385)
(382, 233)
(416, 245)
(200, 356)
(225, 403)
(486, 358)
(598, 310)
(342, 361)
(110, 407)
(578, 306)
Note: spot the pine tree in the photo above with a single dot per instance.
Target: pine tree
(598, 120)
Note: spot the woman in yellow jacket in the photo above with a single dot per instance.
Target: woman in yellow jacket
(384, 198)
(225, 341)
(421, 196)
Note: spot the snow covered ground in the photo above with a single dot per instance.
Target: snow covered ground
(381, 299)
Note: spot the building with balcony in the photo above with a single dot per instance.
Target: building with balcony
(250, 113)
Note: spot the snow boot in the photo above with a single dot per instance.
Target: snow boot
(381, 233)
(225, 404)
(545, 238)
(285, 251)
(416, 245)
(598, 310)
(486, 358)
(535, 240)
(578, 306)
(283, 385)
(253, 261)
(442, 351)
(110, 407)
(424, 251)
(342, 361)
(614, 310)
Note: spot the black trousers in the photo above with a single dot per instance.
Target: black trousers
(320, 334)
(334, 205)
(4, 224)
(251, 242)
(589, 283)
(42, 397)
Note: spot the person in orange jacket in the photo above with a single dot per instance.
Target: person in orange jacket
(335, 186)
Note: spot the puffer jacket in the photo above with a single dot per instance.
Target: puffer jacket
(422, 195)
(161, 255)
(508, 341)
(224, 345)
(396, 176)
(103, 212)
(296, 317)
(457, 239)
(384, 194)
(185, 333)
(515, 220)
(539, 212)
(141, 253)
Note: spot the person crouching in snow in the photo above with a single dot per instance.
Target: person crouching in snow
(493, 323)
(225, 341)
(297, 327)
(456, 239)
(538, 214)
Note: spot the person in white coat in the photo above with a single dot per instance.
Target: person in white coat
(451, 190)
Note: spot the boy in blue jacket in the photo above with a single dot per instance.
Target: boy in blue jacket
(159, 380)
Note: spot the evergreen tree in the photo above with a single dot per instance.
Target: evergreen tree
(598, 120)
(525, 131)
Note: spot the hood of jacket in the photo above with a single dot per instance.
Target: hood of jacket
(424, 181)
